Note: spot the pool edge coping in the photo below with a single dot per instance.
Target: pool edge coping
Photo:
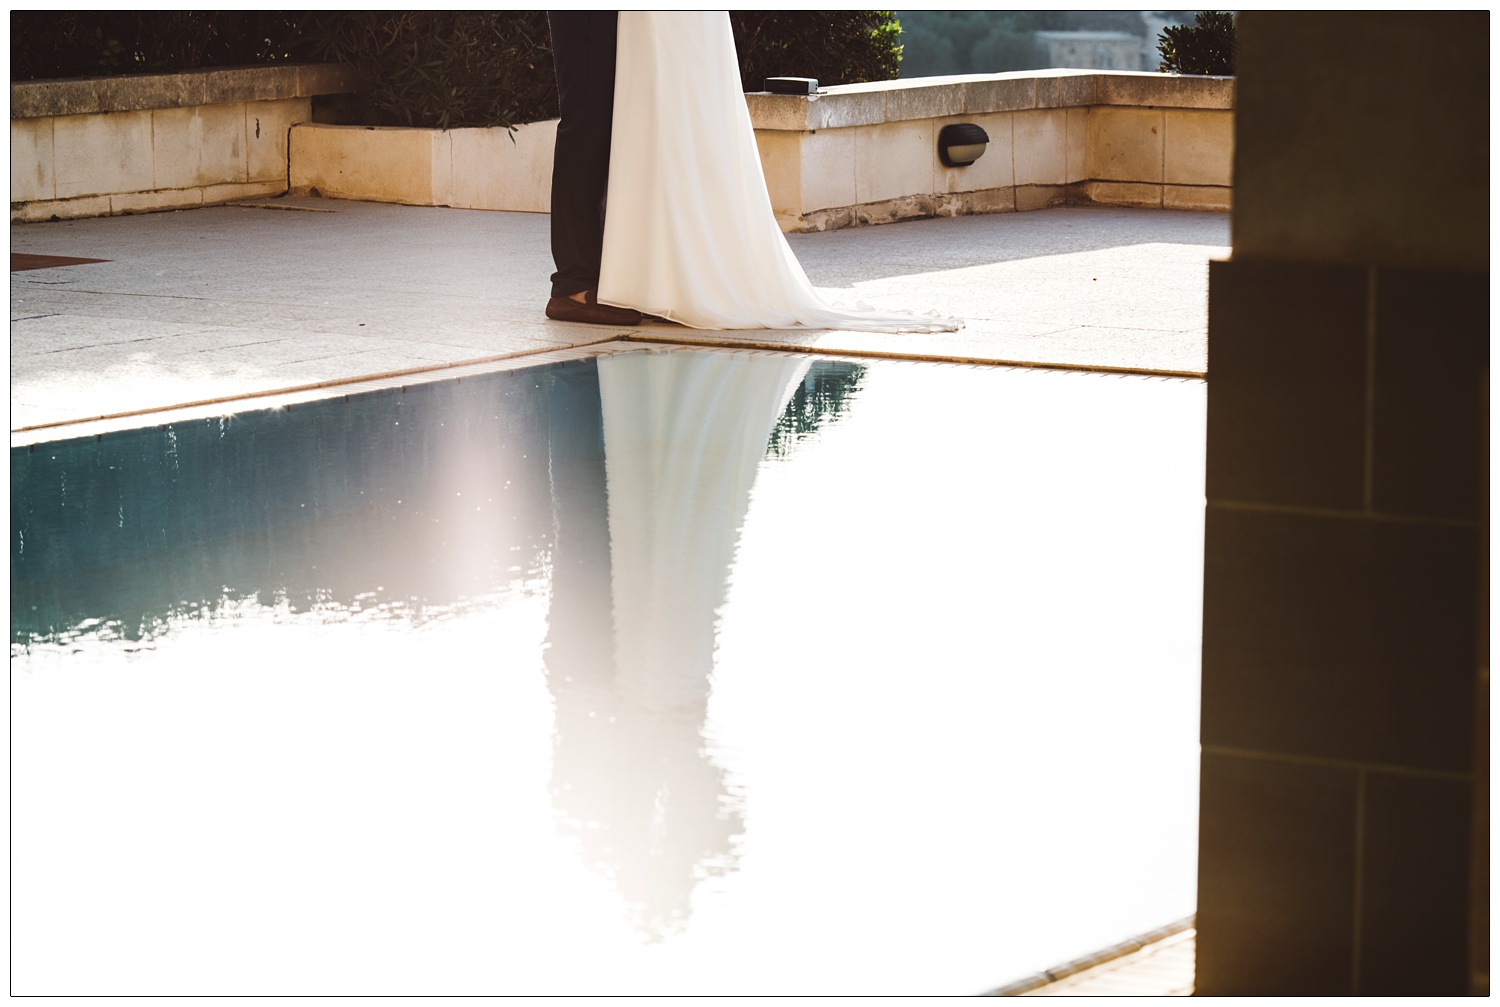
(70, 429)
(1129, 946)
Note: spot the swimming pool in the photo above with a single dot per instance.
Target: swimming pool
(679, 671)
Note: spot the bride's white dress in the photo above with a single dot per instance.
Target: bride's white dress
(689, 233)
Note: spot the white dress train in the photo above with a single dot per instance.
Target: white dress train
(689, 233)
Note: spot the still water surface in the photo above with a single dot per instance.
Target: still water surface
(663, 672)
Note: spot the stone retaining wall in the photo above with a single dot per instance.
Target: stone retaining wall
(112, 145)
(847, 156)
(860, 153)
(477, 169)
(867, 153)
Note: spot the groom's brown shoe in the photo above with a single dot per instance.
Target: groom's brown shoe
(565, 309)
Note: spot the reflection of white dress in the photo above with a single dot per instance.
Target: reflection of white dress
(689, 233)
(684, 435)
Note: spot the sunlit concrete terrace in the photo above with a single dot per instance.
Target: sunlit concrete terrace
(298, 294)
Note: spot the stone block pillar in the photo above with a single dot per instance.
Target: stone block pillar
(1344, 829)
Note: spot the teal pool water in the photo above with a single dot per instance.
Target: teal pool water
(659, 672)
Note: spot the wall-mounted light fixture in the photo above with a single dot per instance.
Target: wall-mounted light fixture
(961, 143)
(792, 85)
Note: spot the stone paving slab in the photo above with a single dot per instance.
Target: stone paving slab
(219, 301)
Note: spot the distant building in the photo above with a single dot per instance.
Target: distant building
(1155, 22)
(1091, 50)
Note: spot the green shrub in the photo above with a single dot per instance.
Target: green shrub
(45, 44)
(446, 69)
(1207, 47)
(833, 46)
(440, 69)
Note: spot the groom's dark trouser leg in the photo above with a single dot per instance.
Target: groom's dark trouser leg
(583, 50)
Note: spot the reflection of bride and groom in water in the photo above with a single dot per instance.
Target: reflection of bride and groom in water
(628, 477)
